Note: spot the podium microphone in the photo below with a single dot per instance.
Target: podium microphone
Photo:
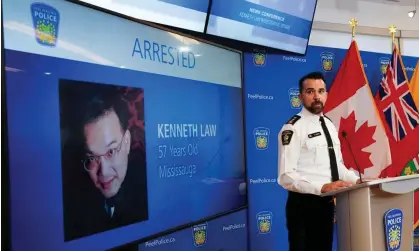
(344, 134)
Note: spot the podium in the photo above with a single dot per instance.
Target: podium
(361, 210)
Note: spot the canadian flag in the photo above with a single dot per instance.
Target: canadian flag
(351, 107)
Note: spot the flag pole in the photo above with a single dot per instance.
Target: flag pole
(392, 30)
(353, 23)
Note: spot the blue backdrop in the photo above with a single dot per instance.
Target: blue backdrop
(410, 64)
(271, 90)
(227, 233)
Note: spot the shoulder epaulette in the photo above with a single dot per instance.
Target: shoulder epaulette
(294, 119)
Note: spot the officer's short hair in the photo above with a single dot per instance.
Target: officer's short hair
(311, 75)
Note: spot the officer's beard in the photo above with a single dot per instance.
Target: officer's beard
(316, 107)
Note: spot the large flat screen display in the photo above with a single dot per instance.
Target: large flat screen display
(279, 24)
(185, 14)
(116, 131)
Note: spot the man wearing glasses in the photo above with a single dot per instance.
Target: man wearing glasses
(107, 146)
(117, 193)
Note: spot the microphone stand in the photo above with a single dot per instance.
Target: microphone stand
(344, 134)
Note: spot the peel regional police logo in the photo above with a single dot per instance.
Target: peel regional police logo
(294, 99)
(46, 20)
(261, 137)
(383, 64)
(393, 221)
(327, 59)
(200, 234)
(264, 220)
(259, 58)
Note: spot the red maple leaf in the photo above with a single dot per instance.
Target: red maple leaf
(356, 140)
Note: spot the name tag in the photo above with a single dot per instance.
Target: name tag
(314, 135)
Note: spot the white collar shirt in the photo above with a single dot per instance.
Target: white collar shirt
(303, 161)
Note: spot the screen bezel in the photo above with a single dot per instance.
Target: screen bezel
(248, 46)
(6, 191)
(81, 2)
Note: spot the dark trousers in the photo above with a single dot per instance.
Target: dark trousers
(309, 222)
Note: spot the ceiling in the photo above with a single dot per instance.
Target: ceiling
(392, 2)
(359, 4)
(369, 13)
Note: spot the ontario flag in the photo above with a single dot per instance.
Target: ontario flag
(412, 167)
(399, 115)
(351, 107)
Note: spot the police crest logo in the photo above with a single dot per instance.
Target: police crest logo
(259, 58)
(46, 20)
(264, 220)
(286, 137)
(383, 64)
(327, 59)
(261, 135)
(393, 221)
(294, 99)
(199, 234)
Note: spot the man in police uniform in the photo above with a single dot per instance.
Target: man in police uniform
(310, 163)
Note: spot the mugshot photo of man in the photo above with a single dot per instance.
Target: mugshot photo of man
(103, 157)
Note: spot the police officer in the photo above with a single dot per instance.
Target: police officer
(310, 163)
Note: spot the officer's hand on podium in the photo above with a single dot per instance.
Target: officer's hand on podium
(340, 184)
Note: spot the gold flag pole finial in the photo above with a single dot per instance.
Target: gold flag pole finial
(392, 29)
(354, 23)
